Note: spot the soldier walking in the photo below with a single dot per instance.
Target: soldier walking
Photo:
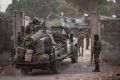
(96, 52)
(81, 44)
(87, 39)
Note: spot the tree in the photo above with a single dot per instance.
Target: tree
(86, 5)
(104, 7)
(14, 1)
(38, 8)
(68, 9)
(115, 8)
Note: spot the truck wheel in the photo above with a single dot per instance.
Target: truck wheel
(25, 71)
(55, 67)
(74, 58)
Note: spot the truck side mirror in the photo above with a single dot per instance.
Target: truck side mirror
(71, 37)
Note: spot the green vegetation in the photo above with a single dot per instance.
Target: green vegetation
(71, 8)
(38, 8)
(105, 8)
(55, 22)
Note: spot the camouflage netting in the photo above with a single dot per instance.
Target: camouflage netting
(110, 34)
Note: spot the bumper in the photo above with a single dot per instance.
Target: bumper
(41, 65)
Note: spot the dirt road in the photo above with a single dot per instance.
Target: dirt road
(78, 71)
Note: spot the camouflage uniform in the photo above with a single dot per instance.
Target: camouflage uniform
(87, 40)
(96, 53)
(81, 43)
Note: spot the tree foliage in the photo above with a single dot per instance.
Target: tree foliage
(85, 5)
(104, 7)
(38, 8)
(114, 8)
(68, 9)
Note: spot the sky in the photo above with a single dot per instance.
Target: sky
(4, 4)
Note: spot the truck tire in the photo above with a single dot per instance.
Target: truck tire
(74, 58)
(55, 67)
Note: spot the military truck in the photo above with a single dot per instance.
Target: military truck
(44, 48)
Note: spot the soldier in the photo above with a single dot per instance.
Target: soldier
(29, 28)
(81, 44)
(87, 39)
(96, 52)
(19, 38)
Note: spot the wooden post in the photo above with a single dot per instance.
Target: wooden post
(14, 28)
(18, 21)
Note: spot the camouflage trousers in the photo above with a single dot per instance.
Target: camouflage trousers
(96, 61)
(96, 57)
(80, 50)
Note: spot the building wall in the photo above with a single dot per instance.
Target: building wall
(110, 34)
(5, 35)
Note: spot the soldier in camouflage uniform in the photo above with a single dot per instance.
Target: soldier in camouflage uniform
(87, 39)
(81, 44)
(96, 52)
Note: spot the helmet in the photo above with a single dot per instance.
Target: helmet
(35, 21)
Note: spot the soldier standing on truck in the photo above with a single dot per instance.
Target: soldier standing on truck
(29, 28)
(96, 52)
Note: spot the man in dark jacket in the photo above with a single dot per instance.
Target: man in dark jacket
(96, 52)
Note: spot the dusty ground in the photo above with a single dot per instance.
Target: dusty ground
(78, 71)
